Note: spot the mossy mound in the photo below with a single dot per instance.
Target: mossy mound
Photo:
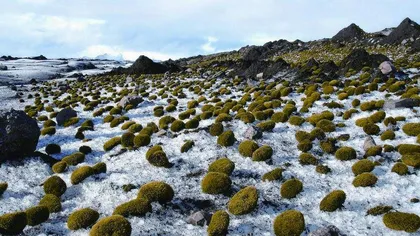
(192, 124)
(365, 180)
(52, 148)
(322, 169)
(266, 126)
(153, 150)
(326, 125)
(216, 129)
(263, 153)
(296, 120)
(402, 221)
(156, 191)
(112, 143)
(244, 201)
(411, 160)
(226, 139)
(48, 131)
(216, 183)
(55, 185)
(329, 145)
(362, 166)
(37, 215)
(374, 151)
(177, 125)
(388, 135)
(159, 159)
(81, 174)
(141, 140)
(13, 223)
(305, 145)
(279, 117)
(3, 187)
(400, 168)
(222, 165)
(127, 140)
(82, 219)
(371, 129)
(317, 133)
(59, 167)
(273, 175)
(404, 149)
(219, 224)
(136, 207)
(379, 210)
(99, 168)
(333, 201)
(303, 135)
(52, 202)
(247, 147)
(411, 129)
(187, 146)
(345, 154)
(74, 159)
(289, 223)
(291, 188)
(115, 225)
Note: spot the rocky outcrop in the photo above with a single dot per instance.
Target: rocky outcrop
(359, 58)
(349, 33)
(144, 65)
(64, 115)
(407, 30)
(19, 135)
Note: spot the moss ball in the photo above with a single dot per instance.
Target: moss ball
(216, 183)
(81, 174)
(177, 126)
(3, 187)
(305, 145)
(333, 201)
(247, 147)
(37, 215)
(273, 175)
(345, 154)
(74, 159)
(244, 201)
(362, 166)
(289, 223)
(408, 149)
(82, 219)
(156, 191)
(365, 180)
(55, 185)
(374, 151)
(247, 117)
(187, 146)
(192, 124)
(379, 210)
(115, 225)
(303, 135)
(279, 117)
(216, 129)
(307, 159)
(141, 140)
(222, 165)
(48, 131)
(153, 150)
(326, 125)
(296, 120)
(226, 139)
(388, 135)
(136, 207)
(291, 188)
(371, 129)
(402, 221)
(411, 160)
(135, 128)
(127, 125)
(219, 224)
(263, 153)
(223, 117)
(52, 202)
(59, 167)
(322, 169)
(411, 129)
(158, 159)
(266, 125)
(13, 223)
(318, 133)
(99, 168)
(112, 143)
(53, 148)
(127, 139)
(400, 168)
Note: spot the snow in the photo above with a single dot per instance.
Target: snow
(104, 192)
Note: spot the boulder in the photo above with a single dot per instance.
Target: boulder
(81, 65)
(386, 67)
(130, 100)
(199, 218)
(402, 103)
(19, 135)
(253, 132)
(329, 230)
(64, 115)
(3, 67)
(359, 58)
(144, 65)
(369, 142)
(349, 33)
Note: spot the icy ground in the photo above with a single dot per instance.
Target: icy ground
(105, 192)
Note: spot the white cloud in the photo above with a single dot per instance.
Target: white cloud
(208, 47)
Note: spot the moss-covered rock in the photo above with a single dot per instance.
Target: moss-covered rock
(307, 159)
(333, 201)
(187, 146)
(192, 124)
(263, 153)
(158, 159)
(362, 166)
(289, 223)
(48, 131)
(411, 129)
(216, 183)
(177, 126)
(156, 191)
(411, 160)
(219, 224)
(59, 167)
(222, 165)
(136, 207)
(226, 139)
(291, 188)
(216, 129)
(317, 133)
(388, 135)
(52, 202)
(13, 223)
(326, 125)
(379, 210)
(404, 149)
(400, 168)
(112, 143)
(303, 135)
(55, 185)
(99, 168)
(244, 201)
(305, 145)
(127, 140)
(82, 219)
(37, 215)
(329, 145)
(296, 120)
(365, 180)
(81, 174)
(402, 221)
(141, 140)
(115, 225)
(153, 150)
(74, 159)
(345, 154)
(276, 174)
(52, 148)
(371, 129)
(279, 117)
(266, 126)
(247, 147)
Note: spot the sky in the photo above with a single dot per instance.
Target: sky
(163, 29)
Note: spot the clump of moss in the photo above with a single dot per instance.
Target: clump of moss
(371, 129)
(266, 125)
(388, 135)
(111, 225)
(223, 117)
(303, 135)
(379, 210)
(226, 139)
(74, 159)
(52, 202)
(279, 117)
(402, 221)
(156, 191)
(13, 223)
(408, 149)
(135, 128)
(59, 167)
(55, 185)
(263, 153)
(3, 187)
(307, 159)
(244, 201)
(374, 151)
(333, 201)
(411, 160)
(216, 183)
(85, 149)
(136, 207)
(141, 140)
(177, 126)
(219, 224)
(400, 168)
(290, 222)
(222, 165)
(317, 133)
(247, 147)
(326, 125)
(305, 145)
(127, 140)
(329, 145)
(192, 124)
(71, 121)
(48, 131)
(127, 125)
(187, 146)
(52, 148)
(216, 129)
(82, 219)
(291, 188)
(296, 120)
(153, 150)
(322, 169)
(273, 175)
(81, 174)
(112, 143)
(99, 168)
(345, 154)
(365, 180)
(37, 215)
(411, 129)
(362, 166)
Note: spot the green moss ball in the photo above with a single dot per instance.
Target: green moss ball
(267, 126)
(216, 129)
(222, 165)
(37, 215)
(81, 174)
(345, 154)
(333, 201)
(55, 185)
(362, 166)
(307, 159)
(411, 129)
(112, 143)
(99, 168)
(13, 223)
(226, 139)
(247, 147)
(52, 202)
(365, 180)
(156, 191)
(273, 175)
(127, 140)
(296, 120)
(219, 224)
(59, 167)
(263, 153)
(177, 126)
(289, 223)
(82, 219)
(159, 159)
(244, 201)
(141, 140)
(216, 183)
(400, 168)
(291, 188)
(115, 225)
(136, 207)
(371, 129)
(402, 221)
(3, 187)
(388, 135)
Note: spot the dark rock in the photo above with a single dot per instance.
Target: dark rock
(64, 115)
(359, 58)
(81, 79)
(46, 158)
(19, 135)
(81, 65)
(253, 132)
(144, 65)
(349, 33)
(199, 218)
(3, 67)
(188, 205)
(41, 57)
(33, 81)
(402, 103)
(329, 230)
(407, 30)
(130, 100)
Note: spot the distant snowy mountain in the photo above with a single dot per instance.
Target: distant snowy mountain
(107, 56)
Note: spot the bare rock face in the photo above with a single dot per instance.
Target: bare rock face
(402, 103)
(329, 230)
(349, 33)
(253, 132)
(130, 100)
(200, 218)
(407, 30)
(386, 67)
(369, 142)
(19, 135)
(64, 115)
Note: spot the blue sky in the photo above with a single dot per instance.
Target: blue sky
(163, 29)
